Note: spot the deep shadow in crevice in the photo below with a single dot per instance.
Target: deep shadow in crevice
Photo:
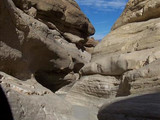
(51, 79)
(5, 109)
(144, 107)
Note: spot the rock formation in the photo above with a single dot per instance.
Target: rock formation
(41, 43)
(125, 63)
(35, 39)
(47, 73)
(91, 44)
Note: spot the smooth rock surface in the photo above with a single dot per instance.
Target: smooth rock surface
(141, 107)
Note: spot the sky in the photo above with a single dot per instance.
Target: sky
(102, 14)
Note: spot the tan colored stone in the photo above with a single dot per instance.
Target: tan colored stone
(92, 89)
(138, 10)
(143, 80)
(117, 64)
(130, 37)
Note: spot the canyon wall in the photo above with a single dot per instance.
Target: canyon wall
(124, 71)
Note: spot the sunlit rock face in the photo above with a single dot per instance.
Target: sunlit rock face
(137, 11)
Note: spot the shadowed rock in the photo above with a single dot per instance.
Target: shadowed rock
(143, 107)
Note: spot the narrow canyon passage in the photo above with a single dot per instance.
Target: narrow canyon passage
(52, 68)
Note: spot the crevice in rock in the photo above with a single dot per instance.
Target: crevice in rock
(51, 79)
(124, 88)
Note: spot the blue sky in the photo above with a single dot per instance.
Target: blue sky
(102, 14)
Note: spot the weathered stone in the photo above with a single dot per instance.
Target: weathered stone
(143, 80)
(90, 89)
(65, 14)
(29, 100)
(47, 39)
(138, 10)
(117, 64)
(142, 107)
(131, 50)
(73, 38)
(90, 44)
(130, 37)
(36, 47)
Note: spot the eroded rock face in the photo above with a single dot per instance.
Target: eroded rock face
(131, 47)
(65, 14)
(85, 90)
(34, 40)
(138, 10)
(143, 80)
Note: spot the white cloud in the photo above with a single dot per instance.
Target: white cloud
(103, 4)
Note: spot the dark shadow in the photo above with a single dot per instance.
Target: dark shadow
(51, 79)
(145, 107)
(5, 110)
